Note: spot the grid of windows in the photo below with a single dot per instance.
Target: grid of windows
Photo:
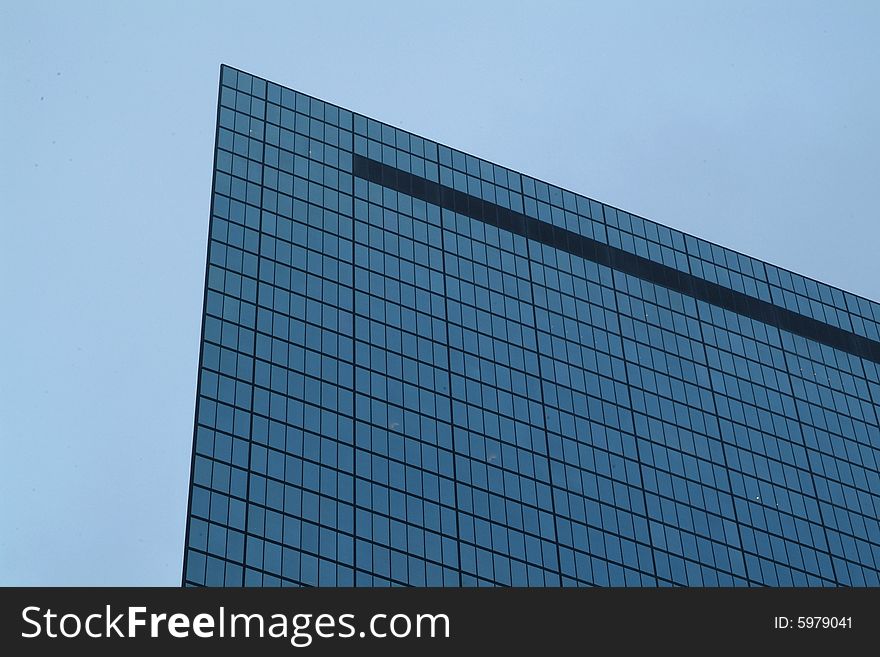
(395, 391)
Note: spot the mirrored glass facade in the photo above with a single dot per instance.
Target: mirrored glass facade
(422, 368)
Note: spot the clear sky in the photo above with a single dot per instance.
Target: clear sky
(751, 124)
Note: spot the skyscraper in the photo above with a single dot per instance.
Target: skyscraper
(422, 368)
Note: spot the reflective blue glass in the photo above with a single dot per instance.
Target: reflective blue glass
(421, 368)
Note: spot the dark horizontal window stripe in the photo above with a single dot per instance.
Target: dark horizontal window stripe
(615, 258)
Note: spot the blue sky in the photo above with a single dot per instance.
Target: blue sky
(751, 124)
